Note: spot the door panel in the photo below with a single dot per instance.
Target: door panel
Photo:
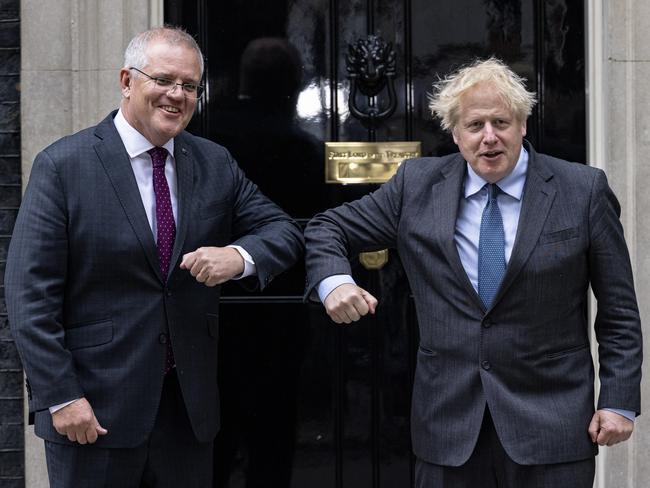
(307, 403)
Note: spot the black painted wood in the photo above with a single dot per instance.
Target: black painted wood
(307, 403)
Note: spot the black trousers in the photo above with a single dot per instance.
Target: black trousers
(171, 457)
(490, 467)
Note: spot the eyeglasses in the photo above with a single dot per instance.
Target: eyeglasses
(190, 90)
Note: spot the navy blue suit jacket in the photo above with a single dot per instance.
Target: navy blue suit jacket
(86, 299)
(527, 357)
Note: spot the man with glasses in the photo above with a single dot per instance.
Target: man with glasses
(125, 233)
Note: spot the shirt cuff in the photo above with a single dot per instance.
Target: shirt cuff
(249, 265)
(58, 407)
(326, 286)
(628, 414)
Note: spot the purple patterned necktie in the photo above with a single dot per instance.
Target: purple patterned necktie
(166, 227)
(164, 215)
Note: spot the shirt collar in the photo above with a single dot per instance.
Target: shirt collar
(513, 184)
(134, 142)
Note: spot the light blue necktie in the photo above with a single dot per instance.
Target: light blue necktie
(491, 249)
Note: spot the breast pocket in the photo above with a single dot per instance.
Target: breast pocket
(558, 235)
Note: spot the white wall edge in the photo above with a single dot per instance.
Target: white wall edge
(596, 150)
(156, 13)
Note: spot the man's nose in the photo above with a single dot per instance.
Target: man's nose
(176, 91)
(489, 136)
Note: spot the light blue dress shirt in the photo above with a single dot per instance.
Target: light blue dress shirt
(470, 211)
(468, 227)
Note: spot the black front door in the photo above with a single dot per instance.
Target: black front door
(306, 403)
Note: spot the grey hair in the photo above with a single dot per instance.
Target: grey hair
(135, 55)
(444, 102)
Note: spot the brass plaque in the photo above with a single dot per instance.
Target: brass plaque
(374, 259)
(366, 162)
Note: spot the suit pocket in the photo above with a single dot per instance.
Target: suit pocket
(214, 209)
(565, 352)
(427, 352)
(427, 366)
(89, 335)
(559, 235)
(213, 325)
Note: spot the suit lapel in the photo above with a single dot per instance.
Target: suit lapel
(537, 199)
(115, 160)
(446, 197)
(185, 178)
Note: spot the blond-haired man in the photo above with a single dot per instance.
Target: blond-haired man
(500, 245)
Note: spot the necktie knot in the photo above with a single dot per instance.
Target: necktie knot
(158, 156)
(493, 191)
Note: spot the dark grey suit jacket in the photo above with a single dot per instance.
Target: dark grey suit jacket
(528, 356)
(87, 303)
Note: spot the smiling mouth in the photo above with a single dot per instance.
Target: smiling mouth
(170, 109)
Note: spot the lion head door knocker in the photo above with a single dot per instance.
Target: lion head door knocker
(371, 68)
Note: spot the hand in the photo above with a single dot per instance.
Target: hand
(78, 422)
(348, 303)
(609, 428)
(213, 265)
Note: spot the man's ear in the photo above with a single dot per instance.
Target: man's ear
(453, 134)
(125, 82)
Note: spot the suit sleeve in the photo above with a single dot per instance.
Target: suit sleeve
(35, 285)
(268, 234)
(617, 324)
(334, 236)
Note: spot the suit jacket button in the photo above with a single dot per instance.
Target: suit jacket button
(486, 365)
(162, 338)
(487, 323)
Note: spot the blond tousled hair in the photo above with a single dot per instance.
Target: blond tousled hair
(444, 101)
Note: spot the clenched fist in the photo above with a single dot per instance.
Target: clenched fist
(348, 303)
(609, 428)
(213, 265)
